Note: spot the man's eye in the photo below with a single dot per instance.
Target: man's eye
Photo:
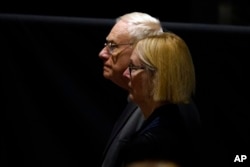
(113, 45)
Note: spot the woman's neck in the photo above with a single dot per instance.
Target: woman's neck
(148, 107)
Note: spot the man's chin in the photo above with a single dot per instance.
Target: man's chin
(106, 75)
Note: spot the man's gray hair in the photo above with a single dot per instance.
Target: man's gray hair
(141, 25)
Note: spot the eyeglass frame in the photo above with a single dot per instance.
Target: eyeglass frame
(132, 67)
(111, 46)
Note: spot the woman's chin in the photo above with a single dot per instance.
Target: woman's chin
(131, 97)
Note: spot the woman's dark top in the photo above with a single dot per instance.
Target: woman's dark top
(163, 136)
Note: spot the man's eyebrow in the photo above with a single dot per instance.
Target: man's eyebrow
(110, 41)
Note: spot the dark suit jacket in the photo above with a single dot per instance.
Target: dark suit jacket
(163, 136)
(128, 123)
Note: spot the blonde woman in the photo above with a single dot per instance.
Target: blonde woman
(162, 76)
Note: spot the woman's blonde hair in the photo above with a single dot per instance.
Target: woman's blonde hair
(174, 75)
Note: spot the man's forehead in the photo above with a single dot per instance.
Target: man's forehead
(119, 32)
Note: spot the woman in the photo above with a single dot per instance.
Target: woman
(162, 75)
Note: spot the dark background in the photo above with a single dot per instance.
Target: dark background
(234, 12)
(58, 110)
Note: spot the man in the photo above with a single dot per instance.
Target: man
(128, 29)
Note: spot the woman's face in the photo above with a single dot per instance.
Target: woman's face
(140, 80)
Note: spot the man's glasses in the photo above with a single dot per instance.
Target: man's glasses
(113, 47)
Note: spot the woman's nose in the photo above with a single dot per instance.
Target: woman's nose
(126, 73)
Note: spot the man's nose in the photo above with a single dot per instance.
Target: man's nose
(104, 55)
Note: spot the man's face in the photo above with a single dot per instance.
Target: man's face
(116, 54)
